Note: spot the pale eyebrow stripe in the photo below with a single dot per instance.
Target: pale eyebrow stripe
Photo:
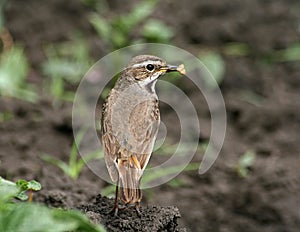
(145, 63)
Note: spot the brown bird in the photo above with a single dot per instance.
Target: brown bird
(129, 125)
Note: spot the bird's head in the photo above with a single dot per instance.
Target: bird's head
(145, 69)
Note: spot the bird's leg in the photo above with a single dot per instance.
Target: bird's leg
(139, 198)
(116, 207)
(137, 208)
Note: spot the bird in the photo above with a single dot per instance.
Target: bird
(129, 126)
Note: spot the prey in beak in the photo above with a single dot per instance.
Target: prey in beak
(174, 68)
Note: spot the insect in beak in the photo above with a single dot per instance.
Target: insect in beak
(174, 68)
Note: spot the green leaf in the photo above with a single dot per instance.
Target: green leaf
(245, 162)
(91, 156)
(36, 218)
(156, 31)
(167, 148)
(22, 184)
(216, 66)
(291, 53)
(108, 190)
(8, 190)
(83, 224)
(31, 217)
(237, 49)
(119, 39)
(117, 31)
(34, 185)
(63, 69)
(76, 163)
(6, 116)
(22, 196)
(247, 159)
(66, 64)
(101, 26)
(139, 13)
(252, 97)
(74, 150)
(175, 183)
(57, 87)
(12, 79)
(167, 171)
(56, 162)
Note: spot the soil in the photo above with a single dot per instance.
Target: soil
(152, 218)
(267, 200)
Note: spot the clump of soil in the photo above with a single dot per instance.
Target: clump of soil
(152, 218)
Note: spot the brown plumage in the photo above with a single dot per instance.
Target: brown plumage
(129, 125)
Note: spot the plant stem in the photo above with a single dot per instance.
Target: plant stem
(30, 196)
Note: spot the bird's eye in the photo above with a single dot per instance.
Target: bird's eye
(150, 67)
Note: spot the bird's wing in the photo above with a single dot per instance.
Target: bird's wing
(110, 144)
(136, 151)
(143, 126)
(134, 142)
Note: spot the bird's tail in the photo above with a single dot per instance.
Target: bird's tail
(130, 177)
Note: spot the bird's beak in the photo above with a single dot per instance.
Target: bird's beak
(174, 68)
(171, 68)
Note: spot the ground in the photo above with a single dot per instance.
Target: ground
(219, 200)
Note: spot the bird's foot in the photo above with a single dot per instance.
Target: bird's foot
(114, 211)
(137, 209)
